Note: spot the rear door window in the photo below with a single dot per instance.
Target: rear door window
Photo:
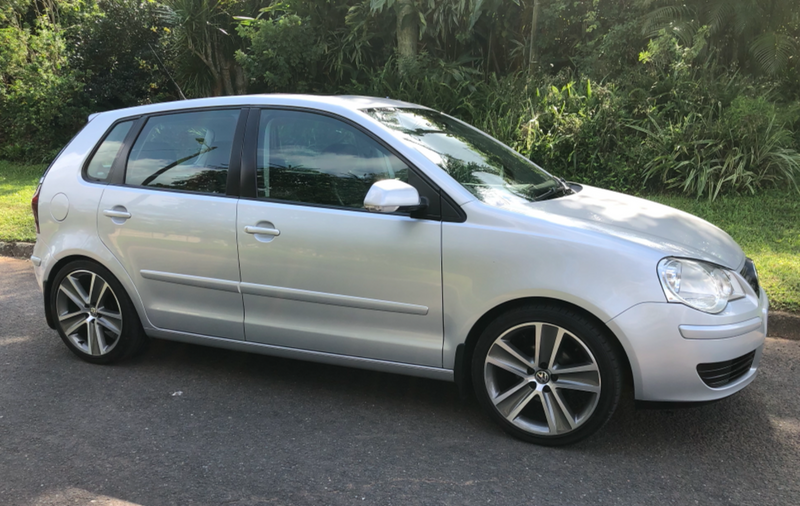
(186, 151)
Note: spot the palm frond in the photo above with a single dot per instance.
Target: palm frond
(716, 14)
(749, 15)
(772, 51)
(664, 17)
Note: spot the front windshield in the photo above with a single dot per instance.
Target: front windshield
(492, 172)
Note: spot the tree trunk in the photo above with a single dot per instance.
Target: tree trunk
(239, 79)
(208, 57)
(407, 29)
(224, 70)
(532, 57)
(227, 82)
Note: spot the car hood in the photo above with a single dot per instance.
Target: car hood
(644, 222)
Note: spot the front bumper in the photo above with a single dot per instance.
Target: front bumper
(666, 342)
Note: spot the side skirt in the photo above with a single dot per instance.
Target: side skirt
(436, 373)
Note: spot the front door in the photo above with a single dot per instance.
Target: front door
(318, 271)
(172, 226)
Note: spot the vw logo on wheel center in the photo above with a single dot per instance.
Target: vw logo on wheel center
(542, 376)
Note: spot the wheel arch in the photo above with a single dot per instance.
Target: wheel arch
(125, 281)
(465, 350)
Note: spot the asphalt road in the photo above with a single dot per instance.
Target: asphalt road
(187, 425)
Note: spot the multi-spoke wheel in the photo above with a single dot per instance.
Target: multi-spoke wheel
(93, 314)
(546, 374)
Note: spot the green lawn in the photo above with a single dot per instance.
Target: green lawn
(767, 226)
(17, 184)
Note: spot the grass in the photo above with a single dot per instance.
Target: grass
(767, 226)
(17, 184)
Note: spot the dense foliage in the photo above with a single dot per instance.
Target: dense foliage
(695, 96)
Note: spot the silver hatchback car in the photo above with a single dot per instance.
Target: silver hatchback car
(384, 235)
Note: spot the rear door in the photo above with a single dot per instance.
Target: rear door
(171, 220)
(318, 271)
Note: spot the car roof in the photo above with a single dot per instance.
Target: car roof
(332, 103)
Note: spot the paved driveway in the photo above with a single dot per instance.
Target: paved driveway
(186, 425)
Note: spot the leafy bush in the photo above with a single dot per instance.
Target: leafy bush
(708, 155)
(41, 99)
(708, 131)
(63, 59)
(114, 51)
(577, 130)
(283, 53)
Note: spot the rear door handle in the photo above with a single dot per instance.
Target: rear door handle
(262, 230)
(115, 213)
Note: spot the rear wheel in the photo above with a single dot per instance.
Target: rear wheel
(94, 316)
(546, 374)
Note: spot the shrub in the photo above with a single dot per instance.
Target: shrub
(708, 131)
(577, 130)
(41, 99)
(706, 155)
(283, 53)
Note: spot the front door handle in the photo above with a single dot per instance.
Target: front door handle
(262, 230)
(117, 213)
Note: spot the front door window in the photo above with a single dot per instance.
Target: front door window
(315, 159)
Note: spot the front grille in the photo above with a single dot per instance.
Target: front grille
(750, 274)
(719, 374)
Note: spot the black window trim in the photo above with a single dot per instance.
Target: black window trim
(241, 181)
(450, 211)
(117, 175)
(235, 162)
(85, 168)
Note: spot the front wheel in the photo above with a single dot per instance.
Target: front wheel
(93, 314)
(547, 374)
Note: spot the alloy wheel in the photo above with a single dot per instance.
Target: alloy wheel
(542, 378)
(88, 312)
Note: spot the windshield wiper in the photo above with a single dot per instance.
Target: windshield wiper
(556, 191)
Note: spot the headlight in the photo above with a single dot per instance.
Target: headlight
(699, 285)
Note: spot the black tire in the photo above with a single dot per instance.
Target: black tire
(536, 405)
(89, 308)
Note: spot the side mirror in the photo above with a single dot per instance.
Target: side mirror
(390, 195)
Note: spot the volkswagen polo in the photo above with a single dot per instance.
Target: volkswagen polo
(384, 235)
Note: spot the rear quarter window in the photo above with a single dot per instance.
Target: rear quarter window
(99, 165)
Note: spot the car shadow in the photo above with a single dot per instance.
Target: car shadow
(716, 427)
(254, 371)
